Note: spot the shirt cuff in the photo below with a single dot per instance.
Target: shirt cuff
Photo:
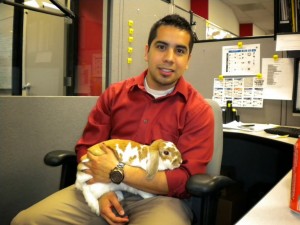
(119, 195)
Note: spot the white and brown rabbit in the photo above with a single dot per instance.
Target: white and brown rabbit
(160, 155)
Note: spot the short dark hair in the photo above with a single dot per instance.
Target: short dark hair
(172, 20)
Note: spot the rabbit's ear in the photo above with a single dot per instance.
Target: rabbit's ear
(152, 167)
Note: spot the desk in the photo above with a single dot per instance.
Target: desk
(257, 161)
(274, 207)
(257, 157)
(259, 136)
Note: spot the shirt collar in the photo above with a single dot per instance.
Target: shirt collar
(181, 86)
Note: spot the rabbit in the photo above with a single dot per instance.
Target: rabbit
(160, 155)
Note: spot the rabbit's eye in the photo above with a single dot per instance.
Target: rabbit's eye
(166, 152)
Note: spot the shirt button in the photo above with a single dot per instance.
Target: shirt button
(145, 121)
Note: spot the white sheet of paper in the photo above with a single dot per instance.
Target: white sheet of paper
(241, 61)
(287, 42)
(279, 75)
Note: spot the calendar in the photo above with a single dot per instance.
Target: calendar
(241, 60)
(243, 92)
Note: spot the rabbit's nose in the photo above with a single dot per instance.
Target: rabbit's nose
(177, 161)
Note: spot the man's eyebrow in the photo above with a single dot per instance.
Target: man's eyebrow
(182, 46)
(177, 46)
(161, 42)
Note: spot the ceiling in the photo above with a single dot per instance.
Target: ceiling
(258, 12)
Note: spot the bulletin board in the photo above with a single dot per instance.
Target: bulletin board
(206, 65)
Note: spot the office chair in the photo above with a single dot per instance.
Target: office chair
(205, 189)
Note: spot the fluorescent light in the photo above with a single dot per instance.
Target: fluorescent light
(49, 5)
(32, 3)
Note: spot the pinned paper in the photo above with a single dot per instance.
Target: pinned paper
(279, 75)
(243, 92)
(241, 60)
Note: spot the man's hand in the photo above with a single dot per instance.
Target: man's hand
(107, 203)
(101, 166)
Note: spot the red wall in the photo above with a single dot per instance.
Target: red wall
(246, 29)
(200, 7)
(90, 47)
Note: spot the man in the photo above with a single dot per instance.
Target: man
(157, 104)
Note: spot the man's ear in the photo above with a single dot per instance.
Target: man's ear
(146, 53)
(188, 62)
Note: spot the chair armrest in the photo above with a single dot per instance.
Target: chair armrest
(202, 185)
(205, 191)
(68, 161)
(59, 157)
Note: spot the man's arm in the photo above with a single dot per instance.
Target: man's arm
(137, 177)
(100, 167)
(107, 203)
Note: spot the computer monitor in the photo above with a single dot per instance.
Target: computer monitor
(296, 89)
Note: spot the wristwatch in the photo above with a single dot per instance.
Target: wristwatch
(117, 174)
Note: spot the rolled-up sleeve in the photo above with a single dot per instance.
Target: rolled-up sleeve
(196, 145)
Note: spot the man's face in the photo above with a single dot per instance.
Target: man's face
(167, 57)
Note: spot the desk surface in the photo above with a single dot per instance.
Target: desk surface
(274, 207)
(264, 135)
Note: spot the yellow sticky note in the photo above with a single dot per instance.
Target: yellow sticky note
(129, 60)
(130, 23)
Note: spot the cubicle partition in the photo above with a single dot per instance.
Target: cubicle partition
(31, 127)
(206, 64)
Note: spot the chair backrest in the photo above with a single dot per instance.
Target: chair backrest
(214, 167)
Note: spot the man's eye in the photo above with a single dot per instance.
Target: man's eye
(181, 51)
(161, 47)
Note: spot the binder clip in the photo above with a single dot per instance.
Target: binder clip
(240, 44)
(275, 57)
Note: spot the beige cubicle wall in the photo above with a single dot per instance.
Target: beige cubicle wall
(206, 64)
(31, 127)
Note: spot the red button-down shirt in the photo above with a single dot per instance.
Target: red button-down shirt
(126, 111)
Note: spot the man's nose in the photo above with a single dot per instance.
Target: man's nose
(169, 55)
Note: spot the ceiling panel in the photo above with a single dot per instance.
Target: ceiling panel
(258, 12)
